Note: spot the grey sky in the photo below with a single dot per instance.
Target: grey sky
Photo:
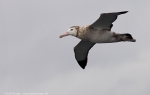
(34, 59)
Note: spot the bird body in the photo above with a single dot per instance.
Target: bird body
(98, 35)
(95, 35)
(98, 32)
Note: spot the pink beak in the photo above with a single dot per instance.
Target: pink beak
(66, 34)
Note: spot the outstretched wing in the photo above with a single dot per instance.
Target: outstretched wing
(106, 19)
(81, 52)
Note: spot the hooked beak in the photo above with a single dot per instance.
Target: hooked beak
(63, 35)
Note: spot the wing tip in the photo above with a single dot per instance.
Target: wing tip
(123, 12)
(83, 63)
(119, 13)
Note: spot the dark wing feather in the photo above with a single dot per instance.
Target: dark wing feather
(81, 52)
(105, 20)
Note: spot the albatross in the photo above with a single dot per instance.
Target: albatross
(98, 32)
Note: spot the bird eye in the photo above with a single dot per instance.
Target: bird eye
(71, 29)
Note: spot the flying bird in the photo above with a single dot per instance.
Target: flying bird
(98, 32)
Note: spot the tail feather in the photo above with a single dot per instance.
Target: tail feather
(127, 37)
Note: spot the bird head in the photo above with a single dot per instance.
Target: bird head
(71, 31)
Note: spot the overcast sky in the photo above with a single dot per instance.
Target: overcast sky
(33, 59)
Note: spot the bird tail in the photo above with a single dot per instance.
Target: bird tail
(127, 37)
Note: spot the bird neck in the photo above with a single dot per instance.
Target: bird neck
(82, 31)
